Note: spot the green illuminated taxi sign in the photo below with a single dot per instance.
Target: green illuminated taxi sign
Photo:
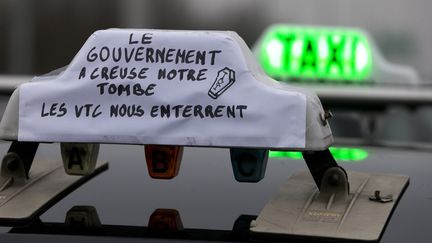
(340, 154)
(291, 52)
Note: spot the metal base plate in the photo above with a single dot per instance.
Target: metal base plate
(299, 210)
(48, 183)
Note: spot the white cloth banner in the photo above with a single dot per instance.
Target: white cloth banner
(195, 88)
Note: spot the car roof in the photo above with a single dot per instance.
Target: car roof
(208, 198)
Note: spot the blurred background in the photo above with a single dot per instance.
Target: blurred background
(39, 36)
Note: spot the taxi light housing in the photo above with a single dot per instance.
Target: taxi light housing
(165, 220)
(327, 54)
(163, 161)
(249, 165)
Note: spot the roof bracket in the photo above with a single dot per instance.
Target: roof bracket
(15, 165)
(328, 175)
(320, 203)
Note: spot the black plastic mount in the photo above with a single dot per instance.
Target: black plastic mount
(319, 162)
(19, 158)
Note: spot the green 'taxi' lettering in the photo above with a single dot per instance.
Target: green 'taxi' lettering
(292, 52)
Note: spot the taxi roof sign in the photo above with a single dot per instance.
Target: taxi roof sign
(327, 54)
(193, 88)
(316, 53)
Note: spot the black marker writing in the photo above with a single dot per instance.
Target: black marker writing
(152, 55)
(90, 110)
(199, 111)
(126, 89)
(126, 110)
(116, 72)
(182, 74)
(145, 39)
(53, 110)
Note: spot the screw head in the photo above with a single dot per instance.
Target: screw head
(325, 116)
